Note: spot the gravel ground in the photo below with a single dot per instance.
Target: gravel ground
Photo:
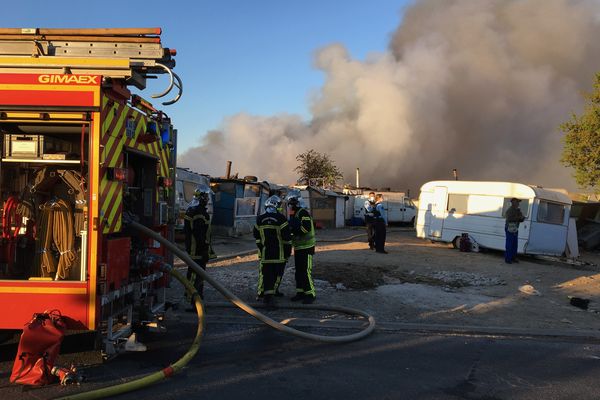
(422, 282)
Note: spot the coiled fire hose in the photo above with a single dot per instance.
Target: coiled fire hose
(178, 365)
(250, 310)
(158, 376)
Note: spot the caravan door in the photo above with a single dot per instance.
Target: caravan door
(438, 211)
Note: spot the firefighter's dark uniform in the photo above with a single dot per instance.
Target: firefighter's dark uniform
(197, 243)
(273, 239)
(303, 241)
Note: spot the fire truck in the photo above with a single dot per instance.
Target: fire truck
(81, 154)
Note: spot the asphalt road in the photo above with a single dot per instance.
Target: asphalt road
(242, 360)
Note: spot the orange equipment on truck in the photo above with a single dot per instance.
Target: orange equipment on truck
(79, 154)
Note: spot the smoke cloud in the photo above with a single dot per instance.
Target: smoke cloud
(480, 86)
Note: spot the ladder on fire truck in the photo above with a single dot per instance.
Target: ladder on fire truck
(130, 55)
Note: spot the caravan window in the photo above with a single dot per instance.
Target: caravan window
(458, 203)
(551, 213)
(485, 206)
(475, 204)
(523, 205)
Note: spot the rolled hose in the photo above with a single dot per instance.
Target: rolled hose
(250, 310)
(155, 377)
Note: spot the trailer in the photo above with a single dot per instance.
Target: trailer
(186, 182)
(81, 155)
(447, 209)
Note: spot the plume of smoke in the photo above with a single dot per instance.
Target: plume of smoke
(477, 86)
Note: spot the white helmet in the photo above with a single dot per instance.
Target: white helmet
(273, 203)
(201, 195)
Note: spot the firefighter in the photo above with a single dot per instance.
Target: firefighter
(273, 239)
(198, 236)
(369, 210)
(303, 241)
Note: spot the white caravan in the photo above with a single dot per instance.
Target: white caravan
(449, 208)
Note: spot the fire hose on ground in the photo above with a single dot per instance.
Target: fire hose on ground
(236, 301)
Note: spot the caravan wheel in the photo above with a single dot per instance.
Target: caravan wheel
(456, 242)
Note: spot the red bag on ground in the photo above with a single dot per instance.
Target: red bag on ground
(38, 348)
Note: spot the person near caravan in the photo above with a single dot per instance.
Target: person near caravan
(369, 210)
(514, 217)
(274, 242)
(303, 241)
(380, 224)
(198, 237)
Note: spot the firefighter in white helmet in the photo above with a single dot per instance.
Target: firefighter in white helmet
(273, 239)
(198, 236)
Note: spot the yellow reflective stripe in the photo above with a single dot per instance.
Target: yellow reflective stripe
(261, 230)
(302, 226)
(309, 275)
(191, 279)
(260, 286)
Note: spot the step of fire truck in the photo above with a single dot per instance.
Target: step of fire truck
(130, 54)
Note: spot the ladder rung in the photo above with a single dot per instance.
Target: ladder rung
(84, 49)
(102, 45)
(104, 53)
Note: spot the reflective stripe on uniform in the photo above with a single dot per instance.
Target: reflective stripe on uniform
(261, 230)
(309, 268)
(260, 286)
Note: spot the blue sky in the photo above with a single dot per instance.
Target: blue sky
(233, 56)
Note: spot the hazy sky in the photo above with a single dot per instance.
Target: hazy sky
(404, 90)
(250, 56)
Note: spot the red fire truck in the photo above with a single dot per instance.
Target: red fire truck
(80, 153)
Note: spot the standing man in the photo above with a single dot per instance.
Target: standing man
(514, 217)
(369, 210)
(274, 242)
(303, 241)
(380, 224)
(196, 226)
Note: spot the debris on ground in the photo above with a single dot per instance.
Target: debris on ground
(579, 302)
(530, 290)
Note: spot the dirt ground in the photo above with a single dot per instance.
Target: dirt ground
(430, 283)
